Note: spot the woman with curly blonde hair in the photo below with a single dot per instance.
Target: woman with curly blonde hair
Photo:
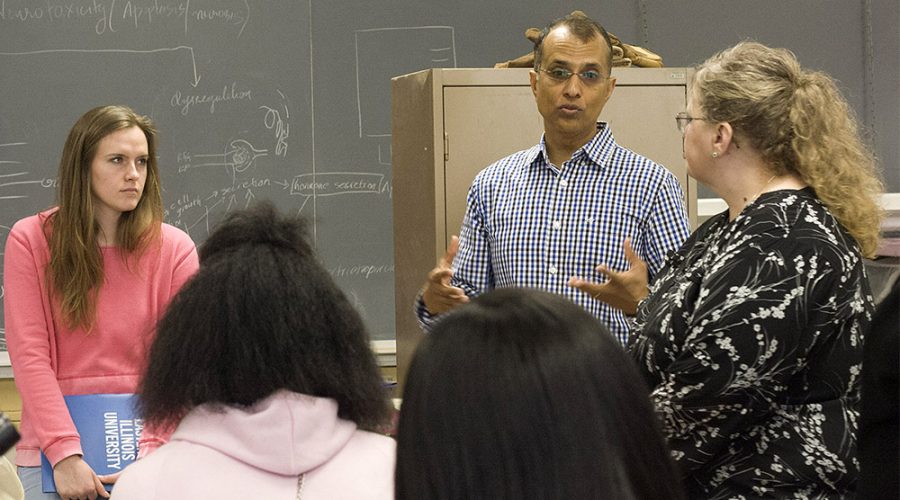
(801, 126)
(751, 335)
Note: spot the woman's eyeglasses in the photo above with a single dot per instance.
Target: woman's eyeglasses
(682, 119)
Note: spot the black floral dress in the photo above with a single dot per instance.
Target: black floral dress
(751, 339)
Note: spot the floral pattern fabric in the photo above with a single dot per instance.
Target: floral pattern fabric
(751, 339)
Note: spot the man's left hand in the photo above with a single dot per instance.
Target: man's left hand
(622, 290)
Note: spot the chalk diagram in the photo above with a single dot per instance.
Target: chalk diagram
(244, 163)
(16, 178)
(239, 156)
(8, 179)
(424, 46)
(413, 49)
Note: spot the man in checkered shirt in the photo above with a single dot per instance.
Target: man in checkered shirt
(554, 215)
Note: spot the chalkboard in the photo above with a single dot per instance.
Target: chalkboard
(290, 100)
(283, 100)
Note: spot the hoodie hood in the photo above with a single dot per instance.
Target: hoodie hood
(287, 433)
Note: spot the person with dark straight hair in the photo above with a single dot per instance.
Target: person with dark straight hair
(265, 368)
(523, 394)
(84, 284)
(879, 405)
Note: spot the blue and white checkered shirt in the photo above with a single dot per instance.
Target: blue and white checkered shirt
(531, 224)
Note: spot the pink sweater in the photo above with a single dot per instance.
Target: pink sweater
(50, 360)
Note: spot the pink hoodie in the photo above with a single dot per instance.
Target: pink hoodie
(259, 452)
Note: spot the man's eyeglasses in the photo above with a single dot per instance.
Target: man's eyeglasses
(589, 77)
(682, 119)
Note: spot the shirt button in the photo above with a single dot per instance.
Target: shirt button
(552, 270)
(556, 224)
(563, 183)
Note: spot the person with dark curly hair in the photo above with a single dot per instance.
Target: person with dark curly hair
(265, 367)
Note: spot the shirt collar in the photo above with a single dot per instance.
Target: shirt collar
(598, 150)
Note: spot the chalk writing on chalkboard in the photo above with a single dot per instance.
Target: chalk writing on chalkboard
(249, 102)
(110, 18)
(15, 178)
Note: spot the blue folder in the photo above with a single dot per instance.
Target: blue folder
(109, 428)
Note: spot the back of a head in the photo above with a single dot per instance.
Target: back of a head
(262, 314)
(753, 87)
(523, 394)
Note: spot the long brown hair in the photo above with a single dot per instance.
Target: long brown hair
(76, 264)
(801, 124)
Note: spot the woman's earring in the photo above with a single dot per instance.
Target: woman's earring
(715, 154)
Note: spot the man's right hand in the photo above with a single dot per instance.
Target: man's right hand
(74, 478)
(438, 295)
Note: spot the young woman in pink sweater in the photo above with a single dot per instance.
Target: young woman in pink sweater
(85, 283)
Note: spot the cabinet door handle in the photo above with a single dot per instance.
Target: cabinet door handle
(446, 147)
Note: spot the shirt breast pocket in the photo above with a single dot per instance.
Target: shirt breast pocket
(600, 237)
